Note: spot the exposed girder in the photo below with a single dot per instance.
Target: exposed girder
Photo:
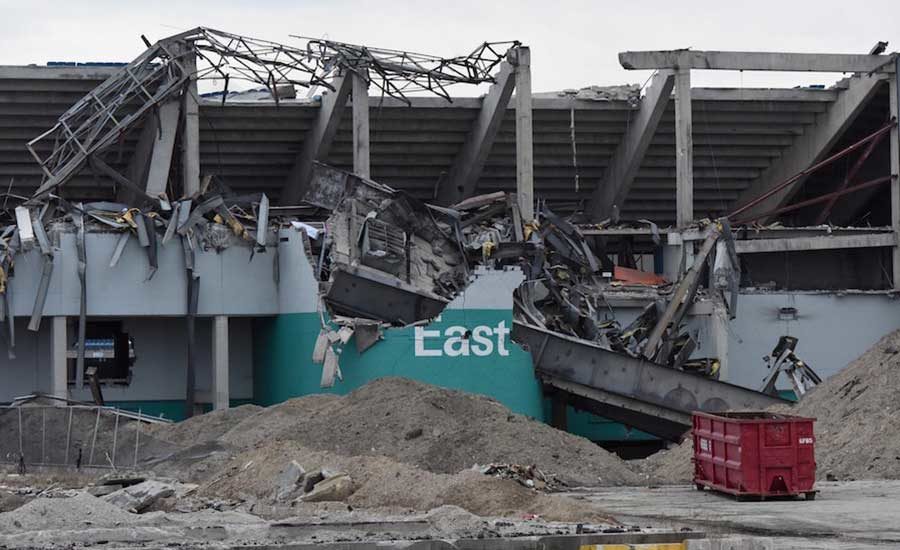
(162, 72)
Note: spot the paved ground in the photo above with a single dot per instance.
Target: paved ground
(845, 515)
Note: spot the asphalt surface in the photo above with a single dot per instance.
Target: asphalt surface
(844, 515)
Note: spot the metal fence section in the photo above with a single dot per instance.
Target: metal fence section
(72, 436)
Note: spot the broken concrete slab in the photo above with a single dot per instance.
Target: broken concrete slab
(103, 490)
(335, 488)
(287, 482)
(139, 497)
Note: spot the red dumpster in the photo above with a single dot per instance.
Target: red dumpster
(754, 454)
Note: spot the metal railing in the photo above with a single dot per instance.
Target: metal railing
(72, 436)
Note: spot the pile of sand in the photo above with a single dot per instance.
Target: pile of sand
(431, 428)
(858, 416)
(857, 422)
(406, 445)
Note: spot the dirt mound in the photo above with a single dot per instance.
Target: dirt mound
(858, 416)
(438, 430)
(670, 467)
(203, 427)
(381, 482)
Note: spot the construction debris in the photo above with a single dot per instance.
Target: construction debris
(529, 476)
(137, 498)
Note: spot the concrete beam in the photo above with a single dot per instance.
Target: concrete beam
(318, 139)
(627, 159)
(361, 159)
(684, 150)
(894, 99)
(812, 146)
(140, 160)
(190, 137)
(797, 244)
(718, 332)
(462, 180)
(164, 147)
(35, 72)
(755, 61)
(59, 374)
(220, 394)
(524, 134)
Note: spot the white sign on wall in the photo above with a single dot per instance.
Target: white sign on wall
(459, 341)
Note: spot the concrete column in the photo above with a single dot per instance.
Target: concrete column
(220, 362)
(718, 332)
(684, 150)
(59, 385)
(894, 89)
(190, 138)
(524, 134)
(360, 94)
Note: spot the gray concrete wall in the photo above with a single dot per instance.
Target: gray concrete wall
(833, 329)
(160, 369)
(231, 282)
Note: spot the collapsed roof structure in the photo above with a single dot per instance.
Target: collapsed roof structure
(574, 189)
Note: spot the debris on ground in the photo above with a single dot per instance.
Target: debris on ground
(139, 497)
(529, 476)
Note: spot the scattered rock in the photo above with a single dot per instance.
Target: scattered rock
(287, 482)
(335, 488)
(413, 434)
(311, 479)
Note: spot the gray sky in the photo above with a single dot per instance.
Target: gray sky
(574, 43)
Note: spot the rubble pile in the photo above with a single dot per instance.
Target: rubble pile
(436, 429)
(413, 258)
(529, 476)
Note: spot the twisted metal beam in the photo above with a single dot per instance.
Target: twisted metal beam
(107, 113)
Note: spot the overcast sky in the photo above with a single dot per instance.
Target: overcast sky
(574, 43)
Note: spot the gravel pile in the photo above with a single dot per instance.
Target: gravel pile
(858, 416)
(79, 512)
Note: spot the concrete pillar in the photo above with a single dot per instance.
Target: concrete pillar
(894, 89)
(524, 134)
(684, 150)
(190, 138)
(59, 377)
(220, 362)
(718, 332)
(360, 94)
